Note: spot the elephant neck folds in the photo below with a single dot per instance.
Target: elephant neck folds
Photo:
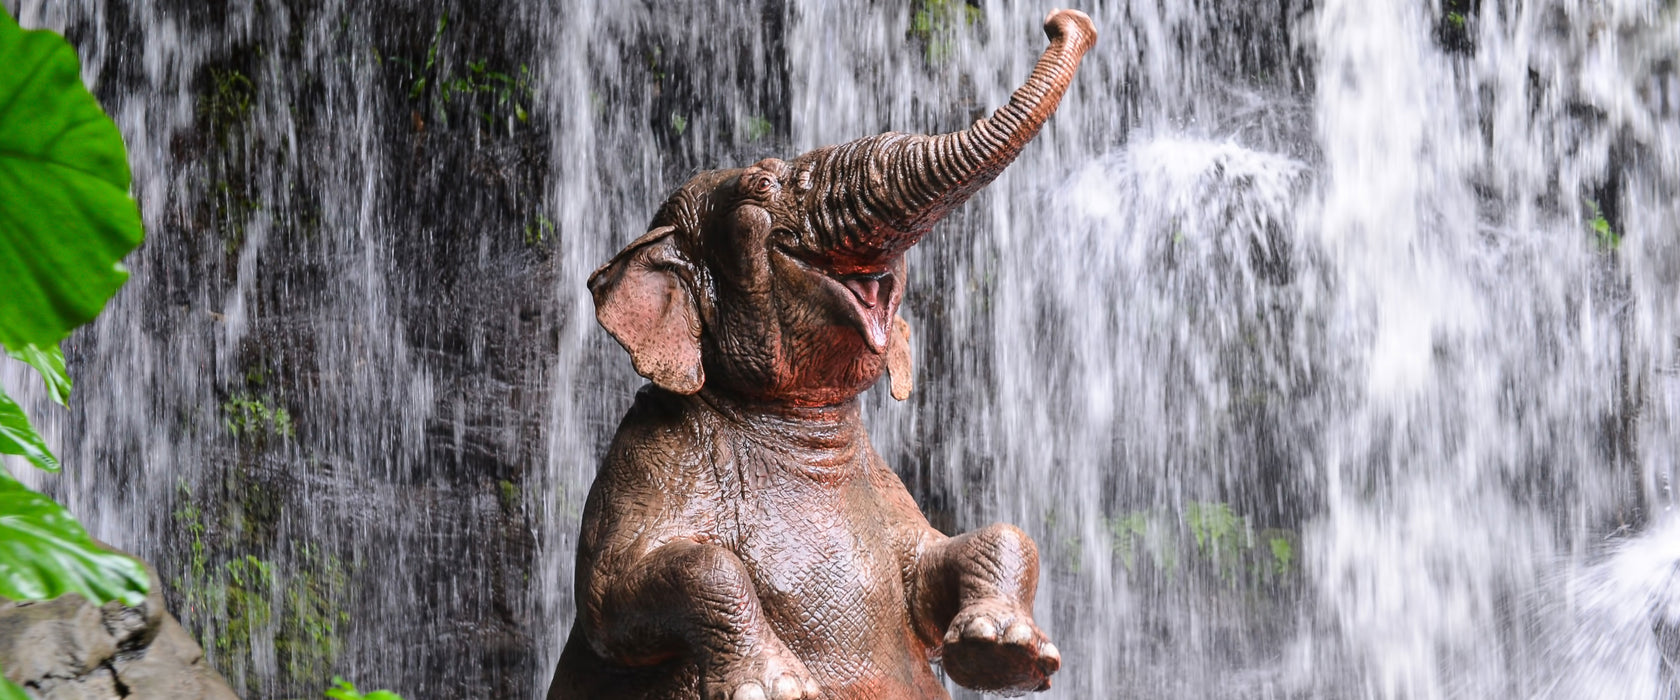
(825, 443)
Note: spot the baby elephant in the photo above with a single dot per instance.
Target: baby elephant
(742, 539)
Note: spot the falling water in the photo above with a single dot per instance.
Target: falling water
(1329, 349)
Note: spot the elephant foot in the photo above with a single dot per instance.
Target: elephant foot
(995, 647)
(766, 670)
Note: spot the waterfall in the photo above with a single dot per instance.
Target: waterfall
(1328, 348)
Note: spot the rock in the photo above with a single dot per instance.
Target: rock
(69, 649)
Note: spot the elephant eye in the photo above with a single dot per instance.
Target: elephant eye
(762, 184)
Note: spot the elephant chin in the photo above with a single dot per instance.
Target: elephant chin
(864, 298)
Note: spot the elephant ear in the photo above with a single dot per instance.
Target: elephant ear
(900, 370)
(645, 298)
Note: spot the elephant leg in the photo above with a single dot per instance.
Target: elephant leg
(695, 601)
(976, 591)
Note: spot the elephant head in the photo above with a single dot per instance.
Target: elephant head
(780, 282)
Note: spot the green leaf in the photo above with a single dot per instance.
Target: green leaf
(66, 219)
(50, 363)
(44, 554)
(345, 690)
(18, 437)
(10, 691)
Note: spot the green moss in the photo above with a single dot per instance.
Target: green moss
(935, 24)
(245, 594)
(510, 494)
(240, 603)
(1128, 532)
(227, 101)
(1222, 537)
(1209, 537)
(758, 127)
(1453, 27)
(1283, 552)
(539, 230)
(193, 584)
(313, 617)
(302, 613)
(245, 416)
(1606, 236)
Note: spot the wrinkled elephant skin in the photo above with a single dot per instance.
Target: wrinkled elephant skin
(742, 539)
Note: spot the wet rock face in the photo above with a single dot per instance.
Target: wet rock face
(69, 649)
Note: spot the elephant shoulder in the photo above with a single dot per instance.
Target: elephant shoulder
(660, 439)
(653, 483)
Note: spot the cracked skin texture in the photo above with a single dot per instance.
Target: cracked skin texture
(742, 539)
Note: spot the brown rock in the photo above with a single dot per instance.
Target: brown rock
(69, 649)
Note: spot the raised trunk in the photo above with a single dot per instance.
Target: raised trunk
(881, 194)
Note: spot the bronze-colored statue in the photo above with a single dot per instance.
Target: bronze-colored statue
(743, 540)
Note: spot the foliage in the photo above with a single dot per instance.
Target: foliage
(758, 127)
(246, 416)
(1282, 551)
(44, 554)
(510, 495)
(1454, 27)
(1606, 236)
(68, 219)
(496, 96)
(49, 363)
(313, 616)
(239, 604)
(248, 588)
(345, 690)
(303, 612)
(189, 518)
(228, 101)
(934, 24)
(17, 437)
(539, 231)
(1219, 540)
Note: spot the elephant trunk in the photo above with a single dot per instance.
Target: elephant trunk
(887, 191)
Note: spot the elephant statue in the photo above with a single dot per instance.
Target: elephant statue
(742, 539)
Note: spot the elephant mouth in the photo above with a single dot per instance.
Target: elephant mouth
(866, 295)
(863, 297)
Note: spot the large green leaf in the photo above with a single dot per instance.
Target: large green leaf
(50, 363)
(17, 437)
(66, 219)
(9, 691)
(345, 690)
(44, 554)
